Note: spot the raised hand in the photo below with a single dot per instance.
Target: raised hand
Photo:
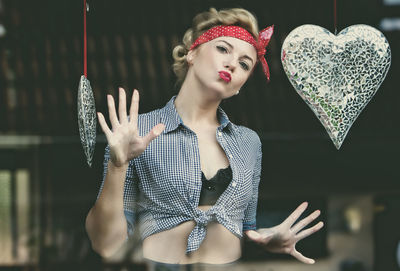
(124, 140)
(283, 237)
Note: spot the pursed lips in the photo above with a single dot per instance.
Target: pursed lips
(225, 76)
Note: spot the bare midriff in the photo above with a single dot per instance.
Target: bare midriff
(219, 246)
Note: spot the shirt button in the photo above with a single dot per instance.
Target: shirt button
(219, 133)
(233, 184)
(230, 155)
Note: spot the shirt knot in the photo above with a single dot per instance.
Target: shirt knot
(201, 218)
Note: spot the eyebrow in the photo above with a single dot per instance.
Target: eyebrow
(245, 56)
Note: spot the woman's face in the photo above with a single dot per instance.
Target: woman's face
(223, 64)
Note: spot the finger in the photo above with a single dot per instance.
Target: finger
(304, 222)
(122, 106)
(156, 131)
(259, 237)
(253, 235)
(111, 111)
(302, 258)
(134, 109)
(103, 124)
(309, 231)
(296, 214)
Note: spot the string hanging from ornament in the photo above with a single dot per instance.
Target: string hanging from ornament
(337, 75)
(86, 104)
(334, 16)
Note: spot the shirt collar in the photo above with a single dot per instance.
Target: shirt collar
(172, 120)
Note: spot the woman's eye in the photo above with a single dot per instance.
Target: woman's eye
(244, 66)
(222, 49)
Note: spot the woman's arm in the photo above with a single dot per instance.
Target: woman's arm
(106, 223)
(249, 221)
(283, 237)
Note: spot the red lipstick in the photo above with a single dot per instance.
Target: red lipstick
(226, 76)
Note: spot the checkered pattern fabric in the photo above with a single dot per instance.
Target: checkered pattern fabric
(163, 184)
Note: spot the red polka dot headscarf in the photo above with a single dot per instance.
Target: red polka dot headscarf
(238, 32)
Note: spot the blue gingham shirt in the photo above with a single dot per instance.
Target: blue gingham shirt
(163, 184)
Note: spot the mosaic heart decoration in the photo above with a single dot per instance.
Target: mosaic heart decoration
(336, 75)
(87, 118)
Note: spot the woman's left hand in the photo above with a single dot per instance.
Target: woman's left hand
(283, 237)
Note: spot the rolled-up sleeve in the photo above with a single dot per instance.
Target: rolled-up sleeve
(249, 222)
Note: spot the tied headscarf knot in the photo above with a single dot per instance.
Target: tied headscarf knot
(264, 36)
(261, 52)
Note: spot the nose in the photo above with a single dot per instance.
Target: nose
(229, 64)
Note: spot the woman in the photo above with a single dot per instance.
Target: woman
(188, 174)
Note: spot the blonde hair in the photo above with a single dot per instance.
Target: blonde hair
(201, 23)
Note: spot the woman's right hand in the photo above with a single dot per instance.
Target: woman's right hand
(124, 140)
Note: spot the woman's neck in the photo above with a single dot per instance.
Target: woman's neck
(195, 107)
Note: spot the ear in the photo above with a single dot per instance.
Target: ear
(190, 56)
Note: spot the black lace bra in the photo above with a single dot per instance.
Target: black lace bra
(213, 188)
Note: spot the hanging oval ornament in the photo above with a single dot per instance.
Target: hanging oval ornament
(336, 75)
(86, 107)
(87, 118)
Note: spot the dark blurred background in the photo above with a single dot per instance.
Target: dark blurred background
(46, 187)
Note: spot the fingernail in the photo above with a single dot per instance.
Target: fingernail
(312, 261)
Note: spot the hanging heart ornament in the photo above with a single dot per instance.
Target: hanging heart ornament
(336, 75)
(87, 118)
